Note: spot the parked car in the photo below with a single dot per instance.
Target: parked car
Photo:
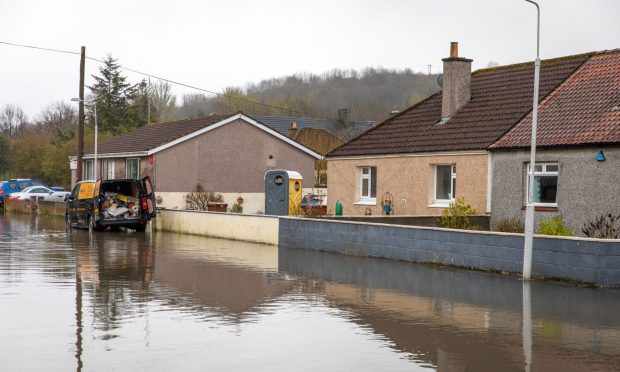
(16, 185)
(42, 193)
(99, 204)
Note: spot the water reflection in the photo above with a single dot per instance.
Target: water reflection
(458, 320)
(110, 300)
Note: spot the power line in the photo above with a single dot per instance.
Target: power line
(155, 77)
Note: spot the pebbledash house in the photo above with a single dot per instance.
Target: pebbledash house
(469, 141)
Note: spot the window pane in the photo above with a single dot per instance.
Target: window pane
(443, 182)
(545, 189)
(552, 167)
(365, 170)
(453, 188)
(90, 171)
(132, 168)
(538, 168)
(364, 187)
(373, 182)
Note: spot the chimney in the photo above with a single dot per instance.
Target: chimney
(456, 82)
(292, 130)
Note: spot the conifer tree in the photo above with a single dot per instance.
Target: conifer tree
(113, 96)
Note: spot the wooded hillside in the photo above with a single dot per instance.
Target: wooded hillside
(370, 95)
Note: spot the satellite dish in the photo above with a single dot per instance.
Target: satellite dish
(440, 80)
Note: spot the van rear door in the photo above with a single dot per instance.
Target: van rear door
(96, 199)
(149, 194)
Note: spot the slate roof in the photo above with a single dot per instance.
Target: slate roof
(584, 110)
(500, 97)
(283, 123)
(151, 136)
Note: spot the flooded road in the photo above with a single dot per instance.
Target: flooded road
(162, 302)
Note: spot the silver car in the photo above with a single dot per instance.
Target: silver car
(41, 193)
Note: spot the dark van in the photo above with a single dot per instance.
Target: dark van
(99, 204)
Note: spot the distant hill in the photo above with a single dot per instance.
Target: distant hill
(370, 94)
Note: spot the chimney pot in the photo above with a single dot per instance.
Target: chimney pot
(456, 82)
(454, 49)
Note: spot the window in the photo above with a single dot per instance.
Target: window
(110, 169)
(545, 183)
(90, 169)
(368, 185)
(445, 183)
(133, 168)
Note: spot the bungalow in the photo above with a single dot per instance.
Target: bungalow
(221, 153)
(577, 173)
(413, 159)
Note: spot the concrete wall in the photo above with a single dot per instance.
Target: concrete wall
(251, 228)
(587, 188)
(410, 180)
(44, 208)
(233, 159)
(587, 260)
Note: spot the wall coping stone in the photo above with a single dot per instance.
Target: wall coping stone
(496, 233)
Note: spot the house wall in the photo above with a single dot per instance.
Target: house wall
(410, 180)
(231, 159)
(587, 188)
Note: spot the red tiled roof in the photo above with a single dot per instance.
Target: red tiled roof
(583, 110)
(151, 136)
(500, 97)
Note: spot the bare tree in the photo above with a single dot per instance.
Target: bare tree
(163, 102)
(12, 117)
(58, 118)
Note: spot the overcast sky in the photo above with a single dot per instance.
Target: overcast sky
(214, 44)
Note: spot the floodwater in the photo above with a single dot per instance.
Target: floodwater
(164, 302)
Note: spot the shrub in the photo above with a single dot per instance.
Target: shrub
(513, 225)
(553, 226)
(455, 216)
(607, 226)
(237, 208)
(200, 199)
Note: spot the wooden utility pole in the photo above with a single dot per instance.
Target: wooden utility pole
(80, 131)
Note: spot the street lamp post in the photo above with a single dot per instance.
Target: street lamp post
(94, 103)
(529, 209)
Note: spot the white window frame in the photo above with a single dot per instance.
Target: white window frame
(111, 169)
(442, 203)
(127, 175)
(365, 197)
(89, 172)
(544, 172)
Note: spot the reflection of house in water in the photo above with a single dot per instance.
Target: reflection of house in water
(233, 277)
(184, 271)
(458, 320)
